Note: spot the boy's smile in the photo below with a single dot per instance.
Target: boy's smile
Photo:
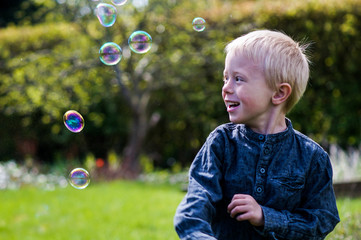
(232, 105)
(245, 92)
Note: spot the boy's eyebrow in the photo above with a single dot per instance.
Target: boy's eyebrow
(235, 73)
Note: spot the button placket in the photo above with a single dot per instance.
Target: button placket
(267, 150)
(266, 154)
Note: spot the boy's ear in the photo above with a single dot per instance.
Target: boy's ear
(283, 92)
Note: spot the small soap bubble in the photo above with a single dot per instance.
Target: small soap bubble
(110, 53)
(106, 14)
(73, 121)
(140, 42)
(119, 2)
(199, 24)
(79, 178)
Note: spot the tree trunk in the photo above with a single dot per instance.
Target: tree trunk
(130, 167)
(138, 101)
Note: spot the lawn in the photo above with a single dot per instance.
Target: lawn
(350, 226)
(116, 210)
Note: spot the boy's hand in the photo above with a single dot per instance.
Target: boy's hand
(244, 207)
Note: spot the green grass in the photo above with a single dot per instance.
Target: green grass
(350, 226)
(116, 210)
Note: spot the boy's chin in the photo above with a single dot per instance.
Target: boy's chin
(235, 120)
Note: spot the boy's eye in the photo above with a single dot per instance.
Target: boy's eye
(239, 79)
(225, 79)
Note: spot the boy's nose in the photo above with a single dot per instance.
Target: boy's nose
(227, 87)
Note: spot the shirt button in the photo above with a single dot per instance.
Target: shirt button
(259, 189)
(262, 170)
(266, 150)
(260, 137)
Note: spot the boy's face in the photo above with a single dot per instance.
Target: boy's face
(245, 92)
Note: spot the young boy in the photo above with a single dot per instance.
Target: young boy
(257, 177)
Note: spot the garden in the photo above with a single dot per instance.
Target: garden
(78, 90)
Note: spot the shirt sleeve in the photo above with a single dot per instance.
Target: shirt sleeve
(316, 217)
(194, 214)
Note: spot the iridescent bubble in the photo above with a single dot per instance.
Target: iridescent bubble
(106, 14)
(73, 121)
(140, 42)
(110, 53)
(119, 2)
(79, 178)
(199, 24)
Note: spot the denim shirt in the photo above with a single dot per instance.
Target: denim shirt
(287, 173)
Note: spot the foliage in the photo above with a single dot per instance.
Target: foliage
(39, 84)
(52, 67)
(16, 11)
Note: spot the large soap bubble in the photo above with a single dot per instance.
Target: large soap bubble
(79, 178)
(110, 53)
(106, 14)
(140, 42)
(73, 121)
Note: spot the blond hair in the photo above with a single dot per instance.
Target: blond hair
(281, 59)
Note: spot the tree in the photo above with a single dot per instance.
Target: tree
(62, 71)
(141, 76)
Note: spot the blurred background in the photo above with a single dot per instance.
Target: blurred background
(147, 116)
(154, 111)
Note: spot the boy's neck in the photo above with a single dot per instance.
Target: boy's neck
(273, 124)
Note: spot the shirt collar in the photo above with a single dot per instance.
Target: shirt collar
(270, 138)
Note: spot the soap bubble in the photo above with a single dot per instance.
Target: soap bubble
(110, 53)
(73, 121)
(79, 178)
(140, 42)
(199, 24)
(119, 2)
(106, 14)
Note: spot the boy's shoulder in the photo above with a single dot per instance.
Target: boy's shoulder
(225, 132)
(308, 144)
(306, 139)
(228, 129)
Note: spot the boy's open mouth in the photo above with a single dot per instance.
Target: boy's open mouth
(231, 105)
